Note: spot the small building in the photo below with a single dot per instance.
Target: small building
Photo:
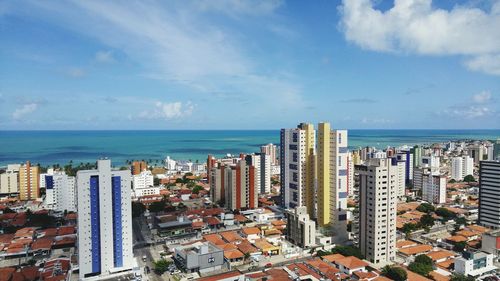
(267, 248)
(179, 228)
(301, 230)
(475, 264)
(491, 243)
(199, 257)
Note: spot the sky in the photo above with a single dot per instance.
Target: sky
(259, 64)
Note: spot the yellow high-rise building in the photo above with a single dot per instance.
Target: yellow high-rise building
(309, 175)
(323, 174)
(29, 186)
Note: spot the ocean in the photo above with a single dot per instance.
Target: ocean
(61, 147)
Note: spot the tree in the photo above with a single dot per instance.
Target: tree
(395, 273)
(156, 181)
(452, 181)
(196, 189)
(347, 251)
(409, 227)
(461, 277)
(420, 268)
(445, 213)
(424, 259)
(459, 246)
(460, 221)
(158, 206)
(427, 220)
(137, 209)
(469, 179)
(161, 266)
(425, 208)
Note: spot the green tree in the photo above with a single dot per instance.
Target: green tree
(161, 266)
(420, 268)
(425, 208)
(197, 189)
(452, 181)
(459, 246)
(137, 209)
(395, 273)
(423, 259)
(156, 181)
(469, 178)
(347, 251)
(427, 220)
(445, 213)
(158, 206)
(461, 277)
(460, 221)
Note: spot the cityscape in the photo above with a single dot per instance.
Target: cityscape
(259, 140)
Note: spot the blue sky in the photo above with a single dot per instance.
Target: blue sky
(230, 64)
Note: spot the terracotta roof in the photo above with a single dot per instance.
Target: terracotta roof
(332, 258)
(302, 270)
(446, 264)
(212, 221)
(478, 228)
(44, 243)
(48, 232)
(365, 275)
(467, 233)
(65, 230)
(325, 268)
(351, 262)
(456, 238)
(246, 247)
(231, 236)
(381, 278)
(438, 277)
(227, 247)
(197, 224)
(412, 276)
(250, 230)
(214, 239)
(438, 255)
(263, 244)
(233, 254)
(241, 218)
(420, 249)
(222, 276)
(405, 243)
(6, 273)
(6, 238)
(278, 222)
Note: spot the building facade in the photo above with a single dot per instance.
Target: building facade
(29, 176)
(377, 210)
(9, 182)
(60, 191)
(300, 229)
(434, 189)
(104, 221)
(461, 167)
(270, 150)
(489, 193)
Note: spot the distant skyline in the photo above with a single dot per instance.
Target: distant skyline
(233, 64)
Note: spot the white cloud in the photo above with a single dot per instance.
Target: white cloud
(489, 64)
(104, 56)
(469, 112)
(169, 110)
(416, 26)
(366, 120)
(24, 110)
(482, 97)
(236, 8)
(75, 72)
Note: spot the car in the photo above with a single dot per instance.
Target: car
(268, 265)
(144, 258)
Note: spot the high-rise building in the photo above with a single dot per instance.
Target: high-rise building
(461, 167)
(29, 188)
(138, 167)
(262, 164)
(297, 155)
(236, 183)
(300, 229)
(332, 180)
(104, 221)
(60, 191)
(407, 156)
(434, 189)
(489, 193)
(401, 183)
(496, 150)
(270, 150)
(9, 182)
(417, 156)
(377, 181)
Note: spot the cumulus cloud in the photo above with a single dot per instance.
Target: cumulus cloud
(482, 97)
(416, 26)
(104, 56)
(169, 110)
(26, 109)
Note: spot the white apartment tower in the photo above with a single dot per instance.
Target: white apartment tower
(434, 189)
(60, 191)
(9, 182)
(461, 167)
(378, 180)
(270, 150)
(104, 221)
(300, 230)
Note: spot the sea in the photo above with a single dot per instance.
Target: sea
(61, 147)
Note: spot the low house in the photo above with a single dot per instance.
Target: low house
(347, 265)
(250, 233)
(267, 248)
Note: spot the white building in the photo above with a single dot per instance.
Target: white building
(170, 163)
(143, 184)
(9, 182)
(434, 189)
(377, 210)
(300, 229)
(475, 264)
(270, 150)
(104, 221)
(262, 165)
(60, 191)
(461, 167)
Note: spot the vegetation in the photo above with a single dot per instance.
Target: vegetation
(156, 181)
(427, 220)
(452, 181)
(469, 179)
(395, 273)
(460, 221)
(422, 265)
(343, 250)
(137, 209)
(197, 189)
(461, 277)
(161, 266)
(158, 206)
(445, 213)
(72, 170)
(426, 208)
(459, 246)
(39, 220)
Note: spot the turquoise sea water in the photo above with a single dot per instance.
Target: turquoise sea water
(51, 147)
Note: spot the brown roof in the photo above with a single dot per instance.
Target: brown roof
(222, 276)
(456, 238)
(412, 276)
(214, 239)
(212, 221)
(351, 262)
(438, 277)
(478, 228)
(467, 233)
(250, 230)
(233, 254)
(405, 243)
(302, 270)
(333, 258)
(420, 249)
(446, 264)
(6, 273)
(263, 244)
(441, 254)
(44, 243)
(246, 247)
(231, 236)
